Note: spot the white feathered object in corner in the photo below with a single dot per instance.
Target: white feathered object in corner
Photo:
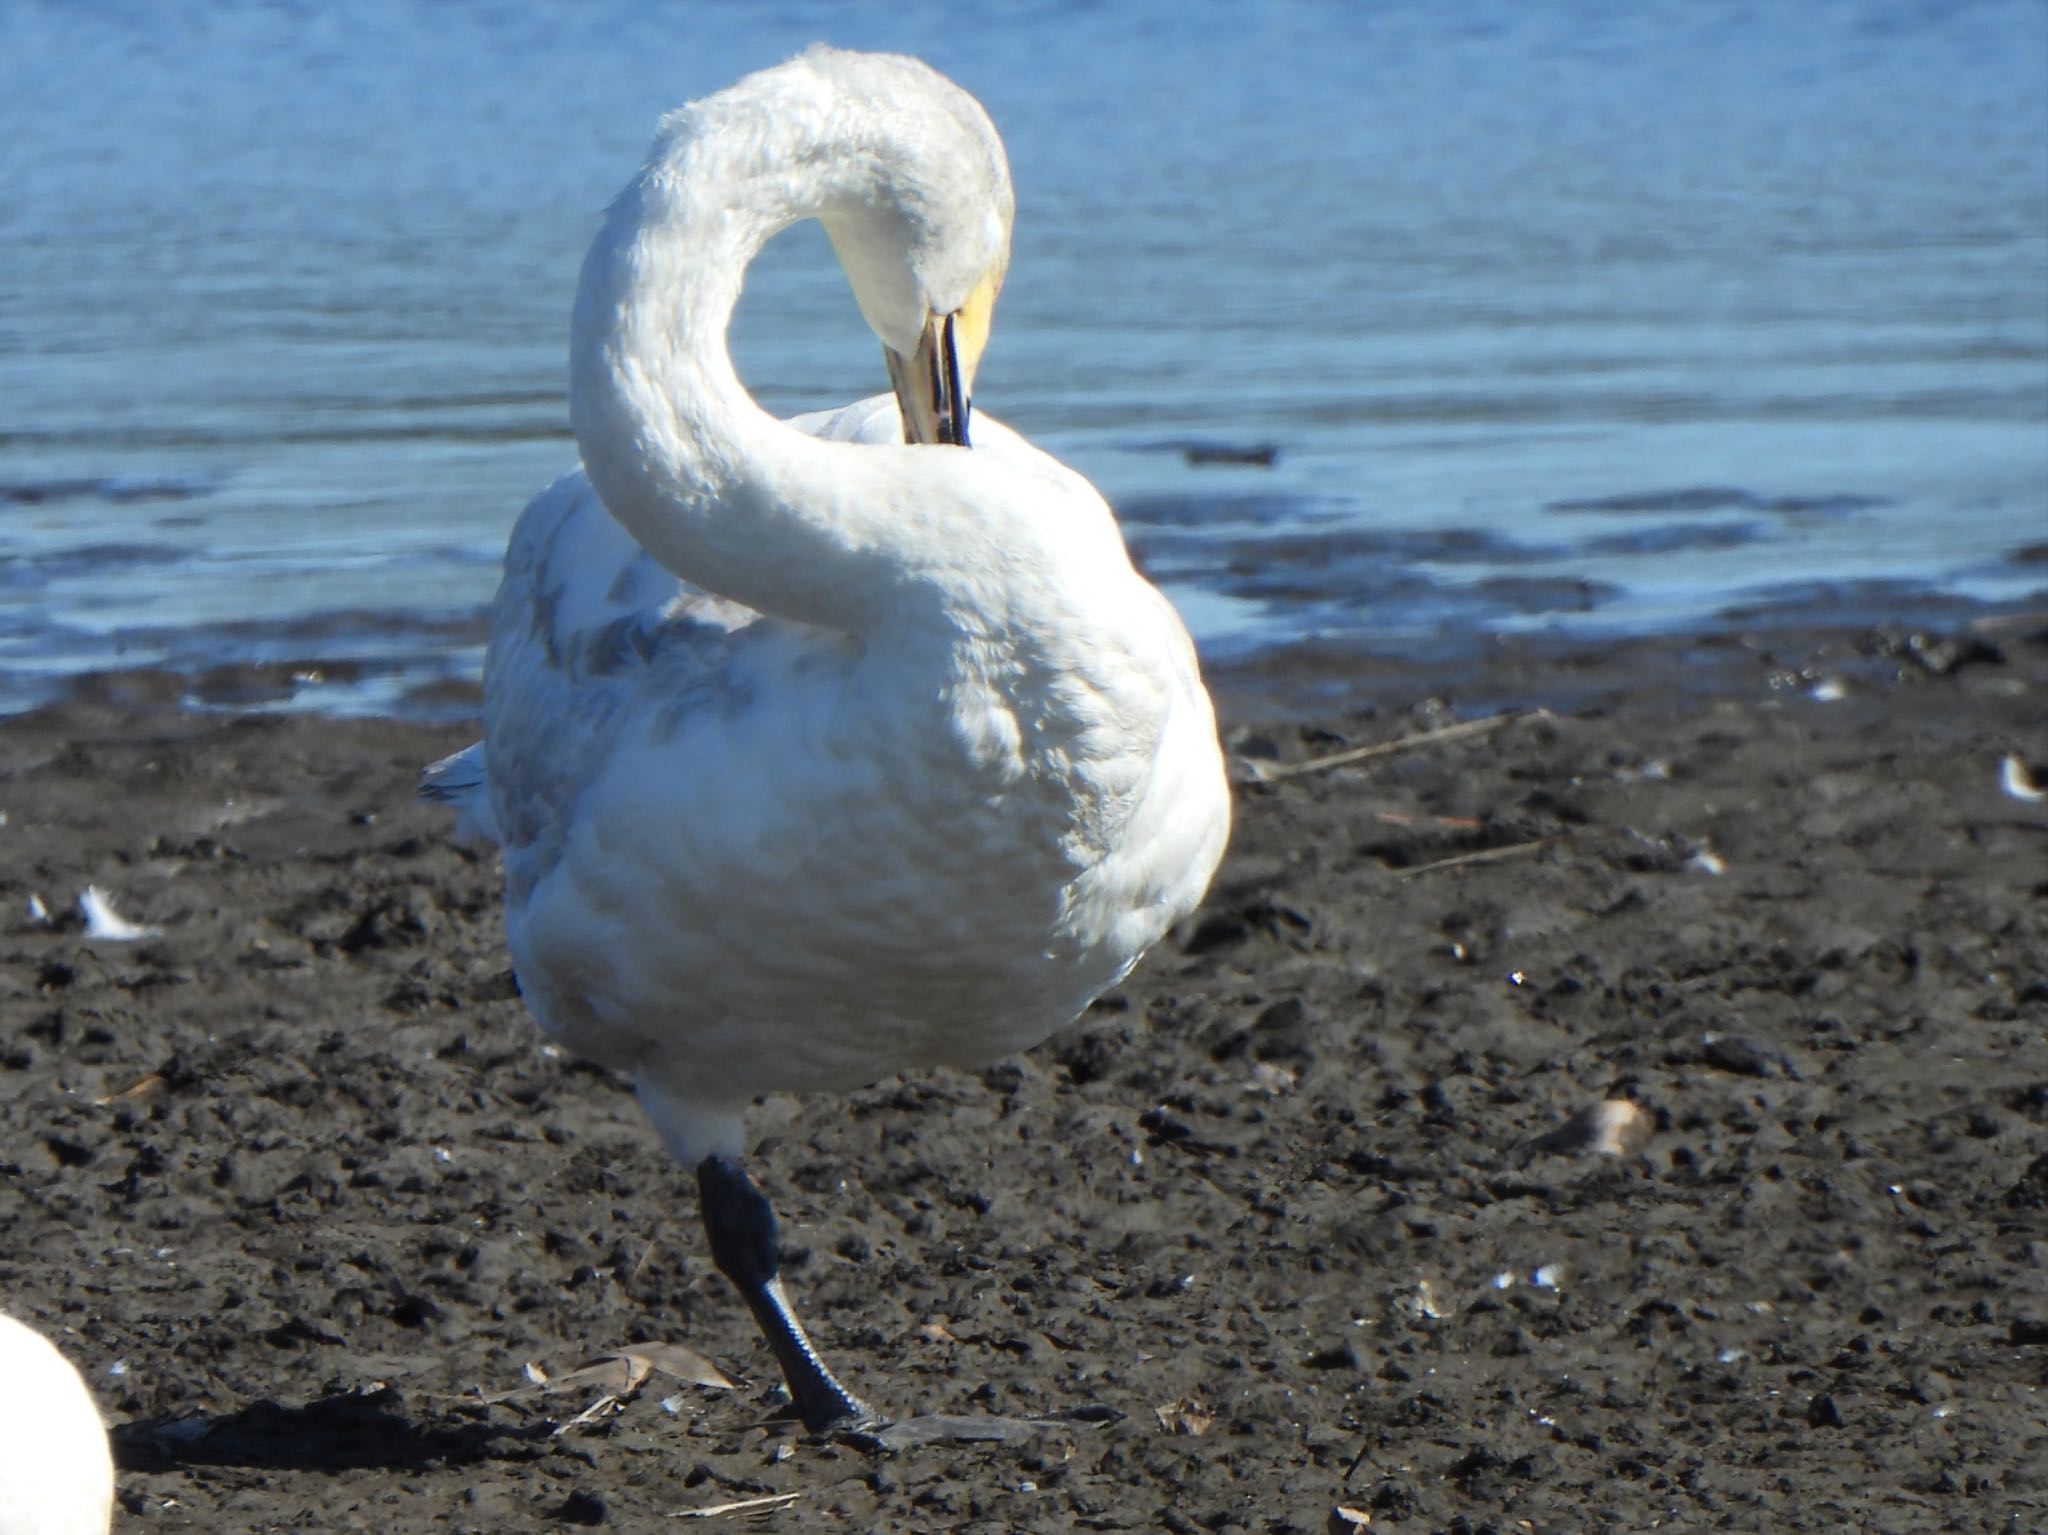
(56, 1473)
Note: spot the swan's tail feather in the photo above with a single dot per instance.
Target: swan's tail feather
(460, 783)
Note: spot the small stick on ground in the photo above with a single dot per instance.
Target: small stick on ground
(1266, 772)
(1484, 855)
(590, 1414)
(759, 1505)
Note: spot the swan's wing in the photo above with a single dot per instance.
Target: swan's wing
(461, 783)
(586, 600)
(587, 631)
(582, 606)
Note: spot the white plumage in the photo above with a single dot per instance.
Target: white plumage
(816, 754)
(56, 1473)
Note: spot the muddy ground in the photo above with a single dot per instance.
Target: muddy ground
(1297, 1221)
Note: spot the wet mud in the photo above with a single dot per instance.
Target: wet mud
(1319, 1210)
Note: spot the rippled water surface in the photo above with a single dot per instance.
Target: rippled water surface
(1378, 323)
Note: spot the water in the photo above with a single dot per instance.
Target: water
(1553, 315)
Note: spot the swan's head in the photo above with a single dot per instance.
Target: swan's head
(921, 223)
(934, 380)
(901, 166)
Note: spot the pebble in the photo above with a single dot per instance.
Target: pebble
(1613, 1127)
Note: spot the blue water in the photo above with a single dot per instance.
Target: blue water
(1552, 314)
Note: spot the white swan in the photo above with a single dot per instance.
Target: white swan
(56, 1473)
(817, 753)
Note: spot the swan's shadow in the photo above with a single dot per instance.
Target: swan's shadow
(347, 1431)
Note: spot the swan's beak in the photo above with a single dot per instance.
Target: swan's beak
(934, 383)
(929, 389)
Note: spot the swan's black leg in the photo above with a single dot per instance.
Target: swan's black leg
(741, 1225)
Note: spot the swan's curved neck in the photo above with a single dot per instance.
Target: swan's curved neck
(720, 492)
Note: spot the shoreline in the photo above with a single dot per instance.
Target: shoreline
(1298, 1220)
(1310, 679)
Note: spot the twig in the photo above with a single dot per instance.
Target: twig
(1266, 772)
(742, 1506)
(1999, 623)
(607, 1402)
(133, 1089)
(1484, 855)
(1451, 822)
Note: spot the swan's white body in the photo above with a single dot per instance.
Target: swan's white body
(56, 1473)
(816, 756)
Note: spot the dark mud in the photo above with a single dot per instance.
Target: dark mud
(1290, 1225)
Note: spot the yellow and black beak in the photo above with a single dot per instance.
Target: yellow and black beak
(934, 383)
(929, 389)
